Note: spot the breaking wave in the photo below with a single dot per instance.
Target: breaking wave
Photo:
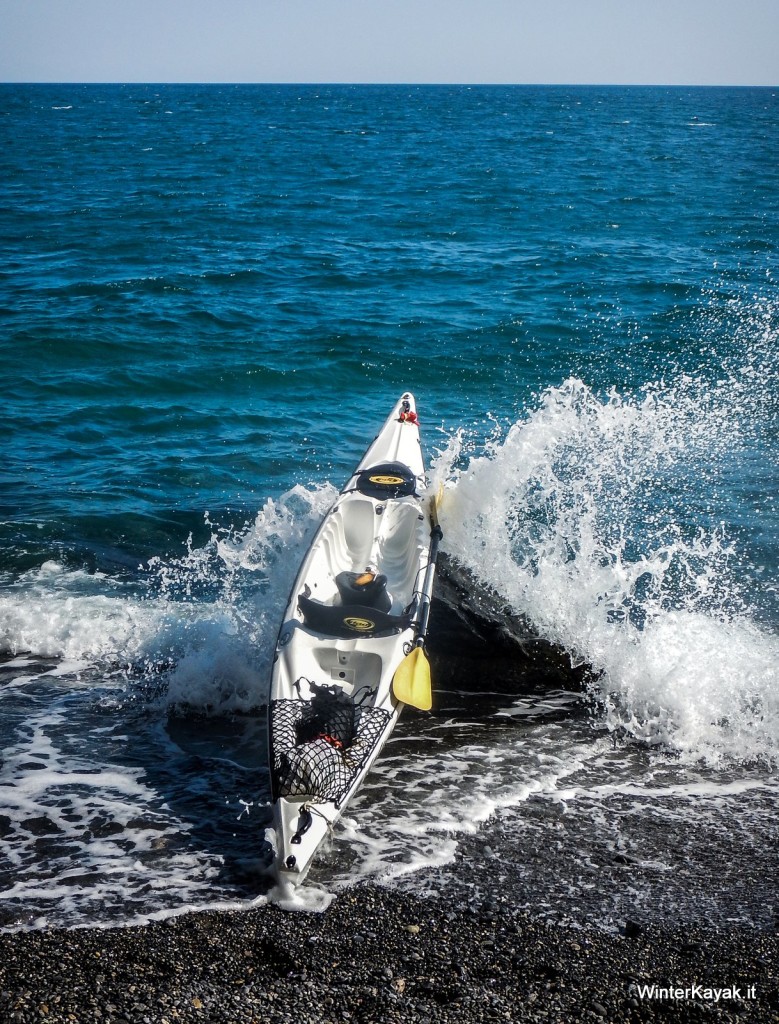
(606, 526)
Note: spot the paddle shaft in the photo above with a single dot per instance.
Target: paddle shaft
(411, 682)
(436, 536)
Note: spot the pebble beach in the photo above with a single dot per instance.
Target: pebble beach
(378, 955)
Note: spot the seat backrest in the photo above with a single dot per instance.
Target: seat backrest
(349, 621)
(366, 589)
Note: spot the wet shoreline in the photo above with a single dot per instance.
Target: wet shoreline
(381, 955)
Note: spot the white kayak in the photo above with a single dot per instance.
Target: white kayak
(357, 611)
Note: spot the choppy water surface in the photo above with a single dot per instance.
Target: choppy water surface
(209, 298)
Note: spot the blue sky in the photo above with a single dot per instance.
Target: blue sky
(699, 42)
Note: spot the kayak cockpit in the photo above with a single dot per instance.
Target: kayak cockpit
(364, 573)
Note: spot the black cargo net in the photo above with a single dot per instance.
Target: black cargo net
(320, 745)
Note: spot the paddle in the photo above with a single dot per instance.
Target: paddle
(411, 682)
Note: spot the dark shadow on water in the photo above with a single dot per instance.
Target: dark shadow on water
(221, 788)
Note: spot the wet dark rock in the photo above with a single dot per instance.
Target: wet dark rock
(475, 639)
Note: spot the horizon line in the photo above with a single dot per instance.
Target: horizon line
(401, 84)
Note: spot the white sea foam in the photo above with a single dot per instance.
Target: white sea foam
(211, 614)
(58, 612)
(95, 665)
(430, 789)
(572, 824)
(98, 824)
(596, 530)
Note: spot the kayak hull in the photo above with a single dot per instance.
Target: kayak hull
(351, 619)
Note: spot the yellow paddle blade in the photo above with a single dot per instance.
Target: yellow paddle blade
(411, 682)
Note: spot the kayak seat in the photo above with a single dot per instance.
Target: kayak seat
(364, 588)
(386, 480)
(354, 620)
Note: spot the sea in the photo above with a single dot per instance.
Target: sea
(210, 298)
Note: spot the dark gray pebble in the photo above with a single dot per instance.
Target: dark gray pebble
(358, 962)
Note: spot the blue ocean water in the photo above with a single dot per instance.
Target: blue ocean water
(210, 296)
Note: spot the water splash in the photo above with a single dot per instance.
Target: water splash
(239, 581)
(207, 620)
(614, 522)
